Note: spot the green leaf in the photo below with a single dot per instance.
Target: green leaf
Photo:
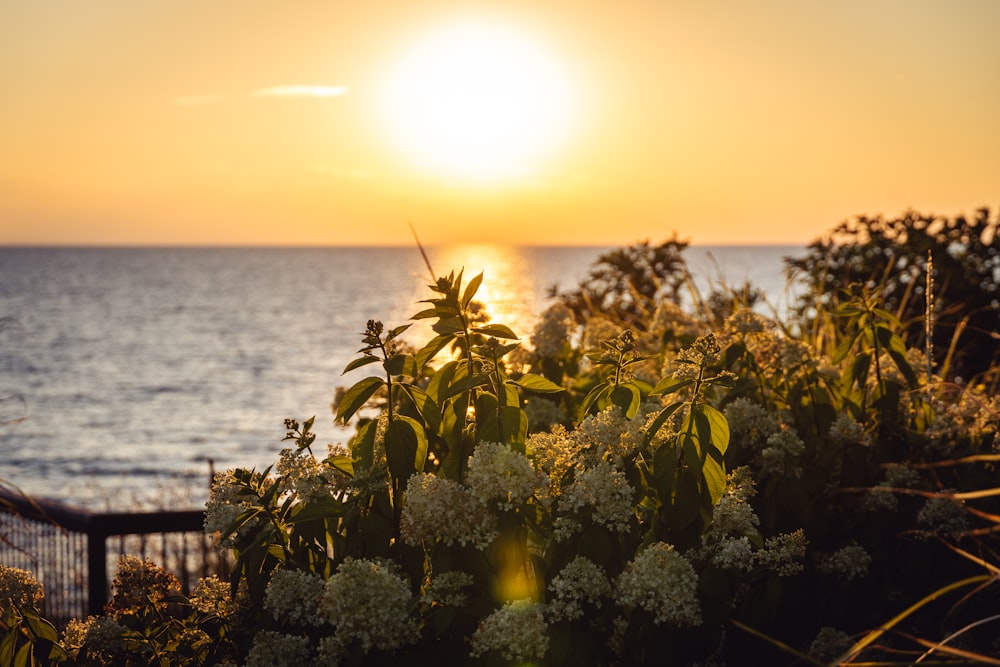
(628, 398)
(430, 350)
(470, 290)
(845, 347)
(496, 330)
(401, 364)
(594, 397)
(718, 426)
(859, 368)
(359, 362)
(425, 314)
(344, 464)
(537, 383)
(669, 385)
(449, 326)
(425, 405)
(395, 333)
(405, 447)
(356, 397)
(661, 418)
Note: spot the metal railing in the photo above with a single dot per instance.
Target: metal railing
(73, 552)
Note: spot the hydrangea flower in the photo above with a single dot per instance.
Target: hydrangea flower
(581, 582)
(277, 649)
(516, 631)
(845, 430)
(603, 490)
(551, 333)
(662, 582)
(211, 595)
(943, 516)
(228, 500)
(101, 635)
(137, 582)
(499, 475)
(851, 561)
(368, 603)
(749, 423)
(18, 588)
(294, 595)
(439, 509)
(784, 553)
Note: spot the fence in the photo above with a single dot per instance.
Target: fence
(73, 552)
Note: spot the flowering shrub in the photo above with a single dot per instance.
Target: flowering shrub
(639, 484)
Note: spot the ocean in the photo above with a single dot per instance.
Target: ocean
(128, 370)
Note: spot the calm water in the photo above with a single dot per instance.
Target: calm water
(137, 366)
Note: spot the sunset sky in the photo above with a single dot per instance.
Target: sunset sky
(247, 122)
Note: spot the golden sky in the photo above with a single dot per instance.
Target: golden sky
(245, 122)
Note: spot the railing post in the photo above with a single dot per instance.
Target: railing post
(97, 570)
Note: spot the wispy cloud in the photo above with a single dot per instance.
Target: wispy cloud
(300, 91)
(197, 100)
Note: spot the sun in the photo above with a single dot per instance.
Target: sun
(478, 101)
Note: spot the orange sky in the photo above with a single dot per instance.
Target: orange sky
(262, 122)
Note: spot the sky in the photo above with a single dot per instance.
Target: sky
(259, 122)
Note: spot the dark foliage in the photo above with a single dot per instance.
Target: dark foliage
(889, 258)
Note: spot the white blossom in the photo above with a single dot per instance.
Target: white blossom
(663, 583)
(499, 475)
(368, 602)
(440, 509)
(295, 595)
(851, 561)
(277, 649)
(516, 631)
(581, 582)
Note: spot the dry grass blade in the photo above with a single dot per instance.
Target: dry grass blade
(868, 639)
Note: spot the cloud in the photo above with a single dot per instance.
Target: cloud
(300, 91)
(197, 100)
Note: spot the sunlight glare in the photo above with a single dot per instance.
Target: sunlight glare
(478, 101)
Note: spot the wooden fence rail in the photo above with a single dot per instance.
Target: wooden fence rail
(67, 548)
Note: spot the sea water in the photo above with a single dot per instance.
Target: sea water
(127, 370)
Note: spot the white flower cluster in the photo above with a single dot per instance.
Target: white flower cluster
(302, 475)
(226, 502)
(784, 553)
(581, 582)
(368, 602)
(895, 476)
(747, 321)
(442, 509)
(517, 631)
(845, 430)
(662, 582)
(448, 589)
(542, 413)
(551, 333)
(609, 435)
(500, 476)
(851, 561)
(726, 541)
(944, 516)
(597, 330)
(829, 644)
(670, 317)
(277, 649)
(294, 595)
(604, 490)
(211, 595)
(781, 455)
(101, 635)
(18, 588)
(749, 423)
